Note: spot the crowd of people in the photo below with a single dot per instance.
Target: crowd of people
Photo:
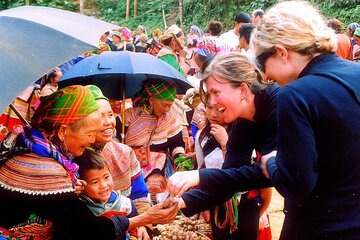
(275, 103)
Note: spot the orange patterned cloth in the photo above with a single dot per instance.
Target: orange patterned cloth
(141, 124)
(35, 175)
(123, 165)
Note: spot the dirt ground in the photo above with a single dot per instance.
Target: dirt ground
(276, 214)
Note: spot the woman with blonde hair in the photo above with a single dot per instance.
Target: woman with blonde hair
(249, 105)
(316, 168)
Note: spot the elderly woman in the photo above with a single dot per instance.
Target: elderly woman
(121, 159)
(152, 129)
(316, 168)
(37, 186)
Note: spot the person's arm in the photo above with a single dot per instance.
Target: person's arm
(265, 194)
(138, 187)
(293, 171)
(176, 145)
(158, 214)
(197, 200)
(219, 182)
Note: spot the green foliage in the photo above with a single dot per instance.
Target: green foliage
(200, 12)
(346, 11)
(149, 13)
(67, 5)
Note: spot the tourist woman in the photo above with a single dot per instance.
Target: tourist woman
(232, 79)
(316, 168)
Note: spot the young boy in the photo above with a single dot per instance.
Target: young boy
(98, 193)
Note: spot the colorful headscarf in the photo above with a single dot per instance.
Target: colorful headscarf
(97, 92)
(65, 106)
(196, 30)
(126, 34)
(160, 90)
(210, 45)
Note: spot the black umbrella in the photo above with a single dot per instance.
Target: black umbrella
(120, 74)
(36, 39)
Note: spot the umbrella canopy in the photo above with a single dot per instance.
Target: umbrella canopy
(115, 72)
(36, 39)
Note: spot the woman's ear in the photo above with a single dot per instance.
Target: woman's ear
(62, 132)
(244, 90)
(281, 51)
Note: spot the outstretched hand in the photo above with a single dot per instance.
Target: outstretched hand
(164, 212)
(180, 182)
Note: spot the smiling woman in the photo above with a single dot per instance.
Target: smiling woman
(316, 167)
(43, 182)
(120, 158)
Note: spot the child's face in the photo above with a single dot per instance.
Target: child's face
(99, 184)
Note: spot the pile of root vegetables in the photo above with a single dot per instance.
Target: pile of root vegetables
(183, 228)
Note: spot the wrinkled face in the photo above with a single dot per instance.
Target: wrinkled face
(224, 98)
(99, 184)
(160, 106)
(215, 116)
(76, 141)
(108, 122)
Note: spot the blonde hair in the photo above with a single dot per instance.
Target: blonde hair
(296, 25)
(236, 69)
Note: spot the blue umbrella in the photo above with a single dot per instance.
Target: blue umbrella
(36, 39)
(122, 71)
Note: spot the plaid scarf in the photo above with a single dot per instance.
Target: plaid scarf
(39, 144)
(65, 106)
(160, 90)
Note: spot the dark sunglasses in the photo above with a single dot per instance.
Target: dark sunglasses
(263, 57)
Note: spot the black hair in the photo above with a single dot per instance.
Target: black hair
(259, 13)
(242, 18)
(129, 47)
(206, 61)
(48, 77)
(246, 30)
(89, 160)
(215, 28)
